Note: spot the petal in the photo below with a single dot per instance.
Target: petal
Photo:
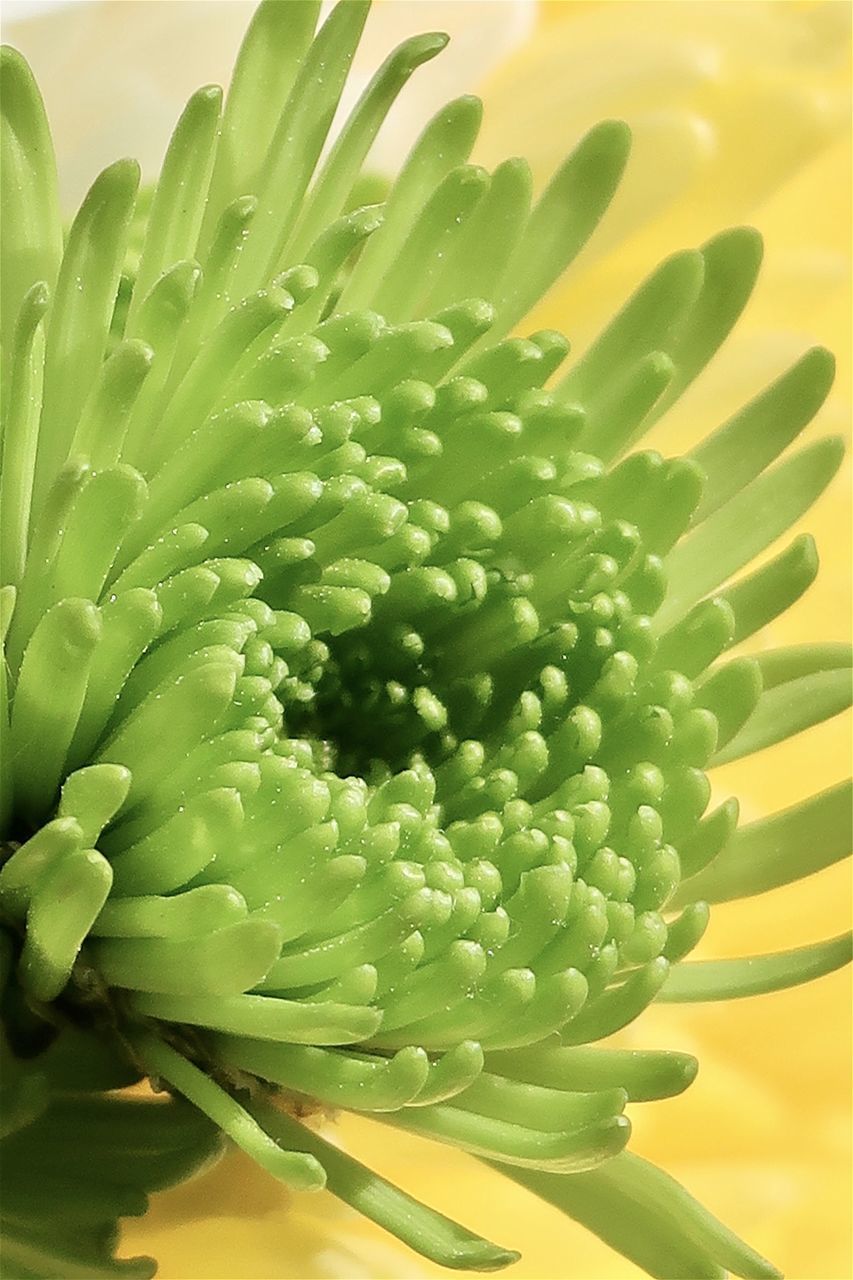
(116, 76)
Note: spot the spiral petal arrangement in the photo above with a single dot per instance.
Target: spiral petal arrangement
(361, 676)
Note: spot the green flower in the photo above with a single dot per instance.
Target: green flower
(358, 688)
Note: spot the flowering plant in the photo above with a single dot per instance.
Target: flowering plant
(362, 675)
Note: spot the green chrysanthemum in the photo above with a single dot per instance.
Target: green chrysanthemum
(358, 688)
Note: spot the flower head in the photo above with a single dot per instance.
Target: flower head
(362, 673)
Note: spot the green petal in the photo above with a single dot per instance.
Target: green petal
(731, 261)
(788, 709)
(777, 850)
(644, 1214)
(741, 449)
(80, 318)
(337, 177)
(428, 1232)
(563, 219)
(745, 525)
(759, 597)
(294, 1168)
(176, 211)
(32, 228)
(703, 980)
